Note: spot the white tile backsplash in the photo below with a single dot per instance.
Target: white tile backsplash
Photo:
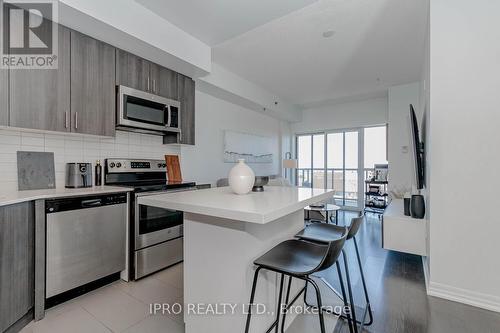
(74, 148)
(10, 138)
(32, 139)
(7, 157)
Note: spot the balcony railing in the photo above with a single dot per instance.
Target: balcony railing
(315, 177)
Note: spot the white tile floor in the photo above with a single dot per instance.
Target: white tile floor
(119, 307)
(124, 307)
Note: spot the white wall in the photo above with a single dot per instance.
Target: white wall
(345, 115)
(74, 148)
(225, 84)
(426, 135)
(204, 161)
(399, 150)
(464, 126)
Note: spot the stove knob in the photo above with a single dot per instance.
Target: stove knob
(163, 165)
(112, 165)
(159, 165)
(118, 164)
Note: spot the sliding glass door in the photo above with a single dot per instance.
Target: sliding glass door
(311, 160)
(343, 156)
(341, 160)
(331, 160)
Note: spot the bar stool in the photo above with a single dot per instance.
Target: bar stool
(298, 259)
(325, 233)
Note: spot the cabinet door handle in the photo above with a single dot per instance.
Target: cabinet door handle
(154, 86)
(148, 84)
(66, 119)
(76, 120)
(180, 137)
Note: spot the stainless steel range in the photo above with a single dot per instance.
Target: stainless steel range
(156, 233)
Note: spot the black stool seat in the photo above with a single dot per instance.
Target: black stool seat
(298, 259)
(294, 257)
(321, 232)
(326, 233)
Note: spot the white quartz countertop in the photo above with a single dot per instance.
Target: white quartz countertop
(22, 196)
(255, 207)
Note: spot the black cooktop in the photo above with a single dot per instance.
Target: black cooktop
(151, 187)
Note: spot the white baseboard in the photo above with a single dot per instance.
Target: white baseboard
(465, 296)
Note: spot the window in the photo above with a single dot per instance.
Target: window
(311, 160)
(330, 160)
(333, 160)
(304, 153)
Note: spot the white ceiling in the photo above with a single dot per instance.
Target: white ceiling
(278, 44)
(377, 43)
(214, 21)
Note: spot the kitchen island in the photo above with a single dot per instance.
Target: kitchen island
(223, 234)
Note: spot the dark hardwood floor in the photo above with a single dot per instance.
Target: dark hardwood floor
(397, 291)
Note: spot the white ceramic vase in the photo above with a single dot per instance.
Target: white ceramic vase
(241, 178)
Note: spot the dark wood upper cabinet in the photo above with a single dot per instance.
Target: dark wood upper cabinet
(92, 86)
(186, 96)
(80, 95)
(164, 81)
(17, 248)
(132, 71)
(138, 73)
(40, 98)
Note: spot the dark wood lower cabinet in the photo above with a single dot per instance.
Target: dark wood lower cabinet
(4, 97)
(4, 86)
(17, 230)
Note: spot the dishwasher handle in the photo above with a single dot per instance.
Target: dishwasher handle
(92, 203)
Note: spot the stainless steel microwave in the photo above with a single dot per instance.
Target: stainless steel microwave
(139, 111)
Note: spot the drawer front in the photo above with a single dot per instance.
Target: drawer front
(159, 256)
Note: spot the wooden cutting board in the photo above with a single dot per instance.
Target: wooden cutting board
(173, 168)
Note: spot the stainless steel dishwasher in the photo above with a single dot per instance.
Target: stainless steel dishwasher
(85, 240)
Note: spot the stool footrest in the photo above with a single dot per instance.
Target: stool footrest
(287, 306)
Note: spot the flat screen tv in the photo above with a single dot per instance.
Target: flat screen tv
(417, 148)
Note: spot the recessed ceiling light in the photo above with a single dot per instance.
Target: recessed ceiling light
(328, 33)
